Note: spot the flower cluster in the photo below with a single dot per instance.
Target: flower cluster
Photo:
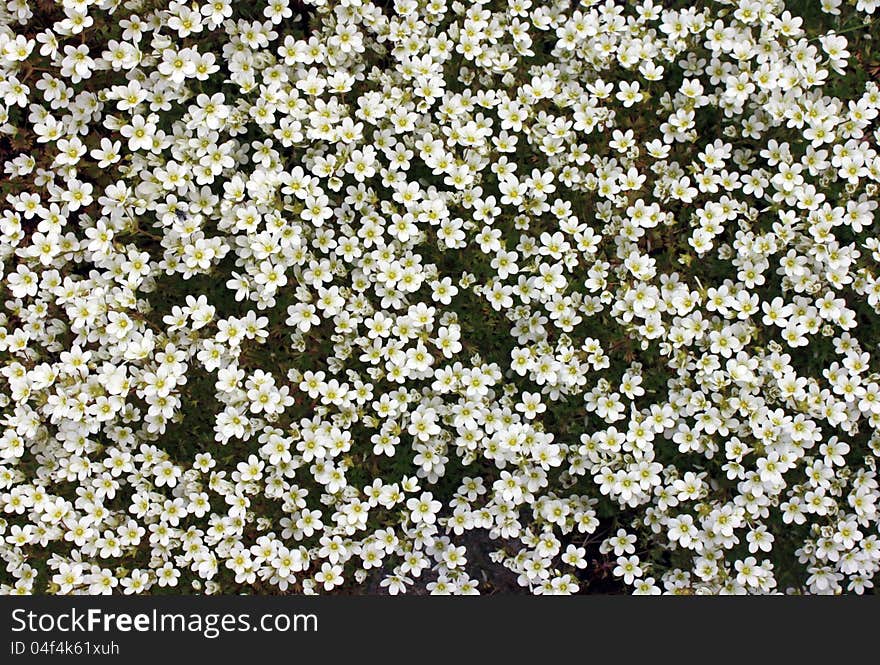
(304, 296)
